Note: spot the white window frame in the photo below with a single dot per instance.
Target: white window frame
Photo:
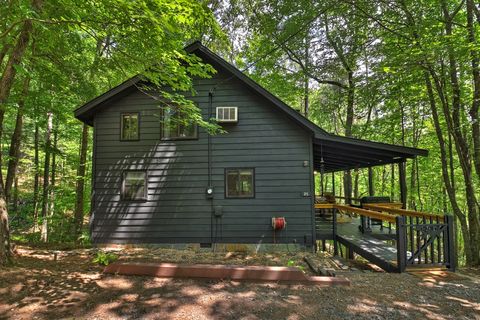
(226, 120)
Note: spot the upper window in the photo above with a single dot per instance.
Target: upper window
(176, 126)
(239, 183)
(134, 185)
(129, 128)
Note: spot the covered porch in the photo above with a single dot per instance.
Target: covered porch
(376, 227)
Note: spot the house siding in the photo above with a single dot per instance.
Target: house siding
(177, 210)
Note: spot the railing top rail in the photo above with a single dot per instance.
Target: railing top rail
(324, 205)
(403, 212)
(367, 213)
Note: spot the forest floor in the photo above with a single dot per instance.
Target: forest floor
(40, 287)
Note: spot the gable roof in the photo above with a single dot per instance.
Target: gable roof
(375, 152)
(86, 112)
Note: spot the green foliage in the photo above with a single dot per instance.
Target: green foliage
(388, 48)
(105, 258)
(292, 263)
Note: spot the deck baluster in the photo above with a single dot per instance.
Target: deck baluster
(412, 235)
(432, 246)
(424, 236)
(417, 234)
(439, 250)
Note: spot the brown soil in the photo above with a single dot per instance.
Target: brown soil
(73, 287)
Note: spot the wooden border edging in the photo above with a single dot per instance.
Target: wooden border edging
(204, 271)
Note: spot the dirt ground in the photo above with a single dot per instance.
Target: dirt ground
(38, 287)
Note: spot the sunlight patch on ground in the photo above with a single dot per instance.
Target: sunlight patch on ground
(465, 303)
(115, 283)
(363, 306)
(424, 309)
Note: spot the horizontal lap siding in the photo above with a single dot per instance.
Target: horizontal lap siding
(177, 210)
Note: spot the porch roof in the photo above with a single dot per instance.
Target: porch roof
(344, 153)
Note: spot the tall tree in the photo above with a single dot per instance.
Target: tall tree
(80, 184)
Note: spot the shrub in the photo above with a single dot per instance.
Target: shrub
(105, 258)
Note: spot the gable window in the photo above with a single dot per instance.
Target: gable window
(134, 185)
(129, 126)
(239, 183)
(175, 126)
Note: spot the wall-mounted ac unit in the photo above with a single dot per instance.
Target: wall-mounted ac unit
(227, 114)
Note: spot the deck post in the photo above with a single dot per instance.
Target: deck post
(371, 191)
(335, 243)
(449, 243)
(401, 243)
(403, 183)
(333, 184)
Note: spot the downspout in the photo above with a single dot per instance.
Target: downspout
(209, 165)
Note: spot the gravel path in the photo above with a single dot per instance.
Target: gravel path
(72, 287)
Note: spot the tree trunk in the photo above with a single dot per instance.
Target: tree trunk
(46, 179)
(54, 172)
(8, 75)
(446, 178)
(36, 182)
(475, 62)
(355, 184)
(80, 188)
(15, 195)
(454, 125)
(5, 251)
(392, 183)
(6, 82)
(306, 80)
(14, 152)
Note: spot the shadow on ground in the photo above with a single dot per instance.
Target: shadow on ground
(38, 287)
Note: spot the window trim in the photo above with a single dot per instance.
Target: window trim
(226, 183)
(121, 125)
(145, 182)
(195, 137)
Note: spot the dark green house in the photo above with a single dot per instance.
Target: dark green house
(158, 182)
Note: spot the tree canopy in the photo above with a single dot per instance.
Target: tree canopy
(403, 72)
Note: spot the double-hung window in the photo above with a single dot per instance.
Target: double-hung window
(134, 185)
(175, 126)
(240, 183)
(129, 126)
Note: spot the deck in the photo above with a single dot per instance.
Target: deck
(412, 239)
(378, 246)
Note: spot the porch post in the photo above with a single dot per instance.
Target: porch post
(403, 183)
(371, 191)
(333, 184)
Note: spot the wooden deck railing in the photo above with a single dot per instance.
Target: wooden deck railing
(422, 239)
(360, 211)
(407, 213)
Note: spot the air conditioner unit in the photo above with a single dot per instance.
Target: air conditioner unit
(227, 114)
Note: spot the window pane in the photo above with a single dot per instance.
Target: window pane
(232, 183)
(174, 126)
(130, 126)
(134, 185)
(187, 131)
(246, 187)
(239, 183)
(166, 123)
